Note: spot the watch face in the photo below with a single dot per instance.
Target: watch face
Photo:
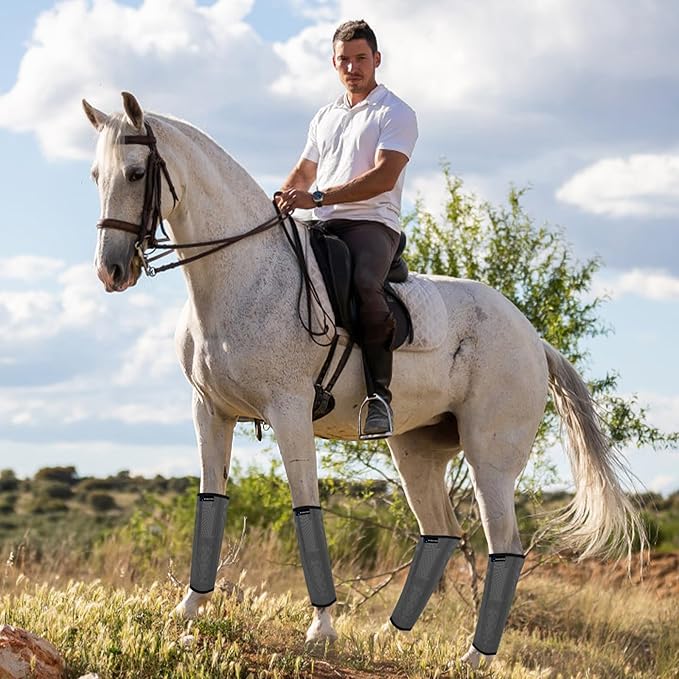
(317, 197)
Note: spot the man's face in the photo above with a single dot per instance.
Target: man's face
(355, 64)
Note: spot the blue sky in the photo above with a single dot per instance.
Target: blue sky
(575, 100)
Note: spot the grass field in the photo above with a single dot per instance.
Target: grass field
(557, 628)
(101, 585)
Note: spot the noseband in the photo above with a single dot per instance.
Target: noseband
(151, 216)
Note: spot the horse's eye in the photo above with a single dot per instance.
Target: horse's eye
(95, 176)
(134, 174)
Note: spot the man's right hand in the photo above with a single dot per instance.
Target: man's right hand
(291, 199)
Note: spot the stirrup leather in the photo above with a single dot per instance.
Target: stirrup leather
(366, 437)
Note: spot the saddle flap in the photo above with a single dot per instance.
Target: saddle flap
(334, 261)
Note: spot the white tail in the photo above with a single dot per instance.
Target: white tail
(601, 519)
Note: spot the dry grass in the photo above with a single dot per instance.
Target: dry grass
(121, 629)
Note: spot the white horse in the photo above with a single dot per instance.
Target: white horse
(482, 390)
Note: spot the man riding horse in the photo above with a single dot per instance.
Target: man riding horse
(356, 152)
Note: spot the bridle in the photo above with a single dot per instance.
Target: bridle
(151, 217)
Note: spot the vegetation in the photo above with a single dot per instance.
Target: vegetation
(95, 584)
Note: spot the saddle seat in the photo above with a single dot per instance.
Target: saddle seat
(335, 263)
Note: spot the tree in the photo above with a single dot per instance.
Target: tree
(67, 475)
(535, 268)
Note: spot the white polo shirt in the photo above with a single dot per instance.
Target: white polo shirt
(344, 141)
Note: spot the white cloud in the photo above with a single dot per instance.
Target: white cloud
(309, 72)
(663, 410)
(430, 188)
(664, 483)
(153, 353)
(96, 399)
(128, 372)
(645, 283)
(29, 267)
(641, 185)
(95, 50)
(72, 299)
(445, 57)
(452, 56)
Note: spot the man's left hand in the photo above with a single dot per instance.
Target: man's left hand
(291, 199)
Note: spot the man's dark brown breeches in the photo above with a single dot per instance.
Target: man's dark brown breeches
(372, 246)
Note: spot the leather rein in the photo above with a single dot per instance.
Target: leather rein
(151, 217)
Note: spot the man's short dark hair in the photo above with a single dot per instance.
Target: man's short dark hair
(356, 30)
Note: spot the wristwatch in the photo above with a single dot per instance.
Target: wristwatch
(317, 197)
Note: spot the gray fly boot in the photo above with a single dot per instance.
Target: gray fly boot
(207, 540)
(431, 556)
(313, 550)
(377, 365)
(498, 594)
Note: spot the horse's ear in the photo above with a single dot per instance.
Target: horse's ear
(133, 111)
(96, 117)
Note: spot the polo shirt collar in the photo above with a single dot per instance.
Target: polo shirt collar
(373, 98)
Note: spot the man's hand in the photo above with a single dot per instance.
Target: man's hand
(291, 199)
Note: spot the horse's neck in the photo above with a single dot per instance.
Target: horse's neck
(220, 199)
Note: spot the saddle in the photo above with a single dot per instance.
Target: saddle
(336, 266)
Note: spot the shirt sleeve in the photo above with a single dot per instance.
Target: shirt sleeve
(398, 131)
(310, 151)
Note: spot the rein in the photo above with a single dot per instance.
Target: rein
(151, 217)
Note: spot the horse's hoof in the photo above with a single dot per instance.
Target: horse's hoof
(179, 612)
(476, 659)
(385, 633)
(320, 637)
(321, 630)
(189, 607)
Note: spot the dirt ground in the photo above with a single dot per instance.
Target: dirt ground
(660, 574)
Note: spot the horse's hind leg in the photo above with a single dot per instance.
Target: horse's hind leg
(495, 462)
(421, 457)
(214, 433)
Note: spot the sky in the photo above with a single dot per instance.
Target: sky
(576, 100)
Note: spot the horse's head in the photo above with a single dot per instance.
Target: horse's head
(119, 171)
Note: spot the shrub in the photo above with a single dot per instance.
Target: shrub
(53, 489)
(8, 480)
(67, 475)
(101, 502)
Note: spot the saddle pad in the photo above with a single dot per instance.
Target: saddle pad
(427, 310)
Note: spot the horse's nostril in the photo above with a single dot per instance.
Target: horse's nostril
(117, 274)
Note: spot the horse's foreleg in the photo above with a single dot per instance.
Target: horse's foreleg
(295, 436)
(214, 433)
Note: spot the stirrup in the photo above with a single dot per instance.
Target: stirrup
(362, 436)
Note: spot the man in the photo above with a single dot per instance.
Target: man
(356, 152)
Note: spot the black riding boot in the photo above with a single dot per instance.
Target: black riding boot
(377, 362)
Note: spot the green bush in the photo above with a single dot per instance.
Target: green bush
(52, 489)
(8, 481)
(47, 505)
(67, 475)
(8, 503)
(101, 502)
